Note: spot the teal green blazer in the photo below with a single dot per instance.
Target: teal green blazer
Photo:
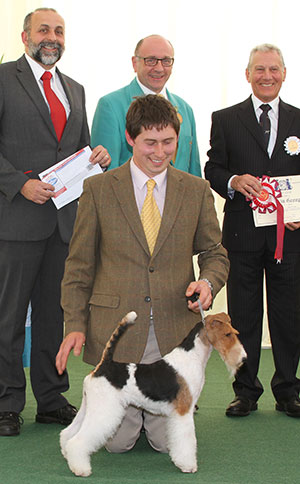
(108, 128)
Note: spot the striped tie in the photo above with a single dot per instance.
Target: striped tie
(150, 216)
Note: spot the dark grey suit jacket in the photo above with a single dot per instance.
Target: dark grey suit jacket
(237, 147)
(28, 143)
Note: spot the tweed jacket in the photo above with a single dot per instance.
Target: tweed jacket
(28, 145)
(237, 147)
(109, 123)
(110, 272)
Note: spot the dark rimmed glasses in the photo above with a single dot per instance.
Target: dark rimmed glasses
(153, 61)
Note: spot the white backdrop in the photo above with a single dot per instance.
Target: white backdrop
(212, 41)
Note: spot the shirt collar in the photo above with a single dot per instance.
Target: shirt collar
(146, 90)
(257, 103)
(37, 69)
(140, 179)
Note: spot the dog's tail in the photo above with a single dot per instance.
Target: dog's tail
(109, 349)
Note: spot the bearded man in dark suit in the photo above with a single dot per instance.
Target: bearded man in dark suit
(241, 150)
(34, 235)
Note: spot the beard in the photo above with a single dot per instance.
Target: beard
(47, 58)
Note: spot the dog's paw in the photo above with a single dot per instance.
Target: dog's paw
(188, 469)
(81, 471)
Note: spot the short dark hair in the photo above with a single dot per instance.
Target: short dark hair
(148, 112)
(27, 20)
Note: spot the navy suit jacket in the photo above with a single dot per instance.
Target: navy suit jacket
(237, 147)
(28, 145)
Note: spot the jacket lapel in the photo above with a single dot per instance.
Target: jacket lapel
(285, 120)
(124, 192)
(69, 94)
(173, 201)
(134, 90)
(26, 78)
(249, 119)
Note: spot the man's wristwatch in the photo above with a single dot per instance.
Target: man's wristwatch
(211, 287)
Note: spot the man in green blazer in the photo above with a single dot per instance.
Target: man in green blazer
(110, 269)
(152, 61)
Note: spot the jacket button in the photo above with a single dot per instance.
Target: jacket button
(147, 298)
(151, 269)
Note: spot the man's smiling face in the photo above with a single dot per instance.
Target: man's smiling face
(153, 149)
(153, 77)
(266, 75)
(46, 40)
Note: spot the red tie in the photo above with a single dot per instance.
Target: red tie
(57, 111)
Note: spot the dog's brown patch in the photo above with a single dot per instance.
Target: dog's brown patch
(183, 400)
(220, 333)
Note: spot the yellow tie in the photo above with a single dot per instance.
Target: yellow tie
(150, 216)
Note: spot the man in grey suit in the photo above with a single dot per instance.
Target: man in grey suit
(34, 235)
(111, 268)
(246, 144)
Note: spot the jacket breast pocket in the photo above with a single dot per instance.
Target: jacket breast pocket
(105, 300)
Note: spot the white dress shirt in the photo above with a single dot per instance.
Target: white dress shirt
(139, 180)
(146, 90)
(273, 115)
(55, 83)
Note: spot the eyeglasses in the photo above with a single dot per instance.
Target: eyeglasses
(153, 61)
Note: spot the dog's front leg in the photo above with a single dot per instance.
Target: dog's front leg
(182, 442)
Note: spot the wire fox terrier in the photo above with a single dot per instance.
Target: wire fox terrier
(170, 387)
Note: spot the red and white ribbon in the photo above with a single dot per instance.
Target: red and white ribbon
(268, 201)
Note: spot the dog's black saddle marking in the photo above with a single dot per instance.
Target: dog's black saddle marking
(188, 343)
(116, 373)
(157, 381)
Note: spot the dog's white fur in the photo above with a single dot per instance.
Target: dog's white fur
(103, 405)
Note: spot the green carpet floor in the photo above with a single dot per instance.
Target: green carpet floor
(263, 448)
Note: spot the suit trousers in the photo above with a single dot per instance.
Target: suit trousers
(134, 419)
(31, 271)
(245, 306)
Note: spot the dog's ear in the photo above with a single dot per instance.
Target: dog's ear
(212, 322)
(221, 317)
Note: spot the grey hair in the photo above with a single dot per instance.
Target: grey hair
(27, 20)
(265, 48)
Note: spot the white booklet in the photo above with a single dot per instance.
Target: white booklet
(68, 175)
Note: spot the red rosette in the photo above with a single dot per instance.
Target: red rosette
(268, 202)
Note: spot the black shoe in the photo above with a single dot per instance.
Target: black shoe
(291, 407)
(63, 416)
(240, 407)
(10, 423)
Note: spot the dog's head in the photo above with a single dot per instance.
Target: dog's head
(223, 338)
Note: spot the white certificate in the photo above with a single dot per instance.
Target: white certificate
(68, 175)
(290, 200)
